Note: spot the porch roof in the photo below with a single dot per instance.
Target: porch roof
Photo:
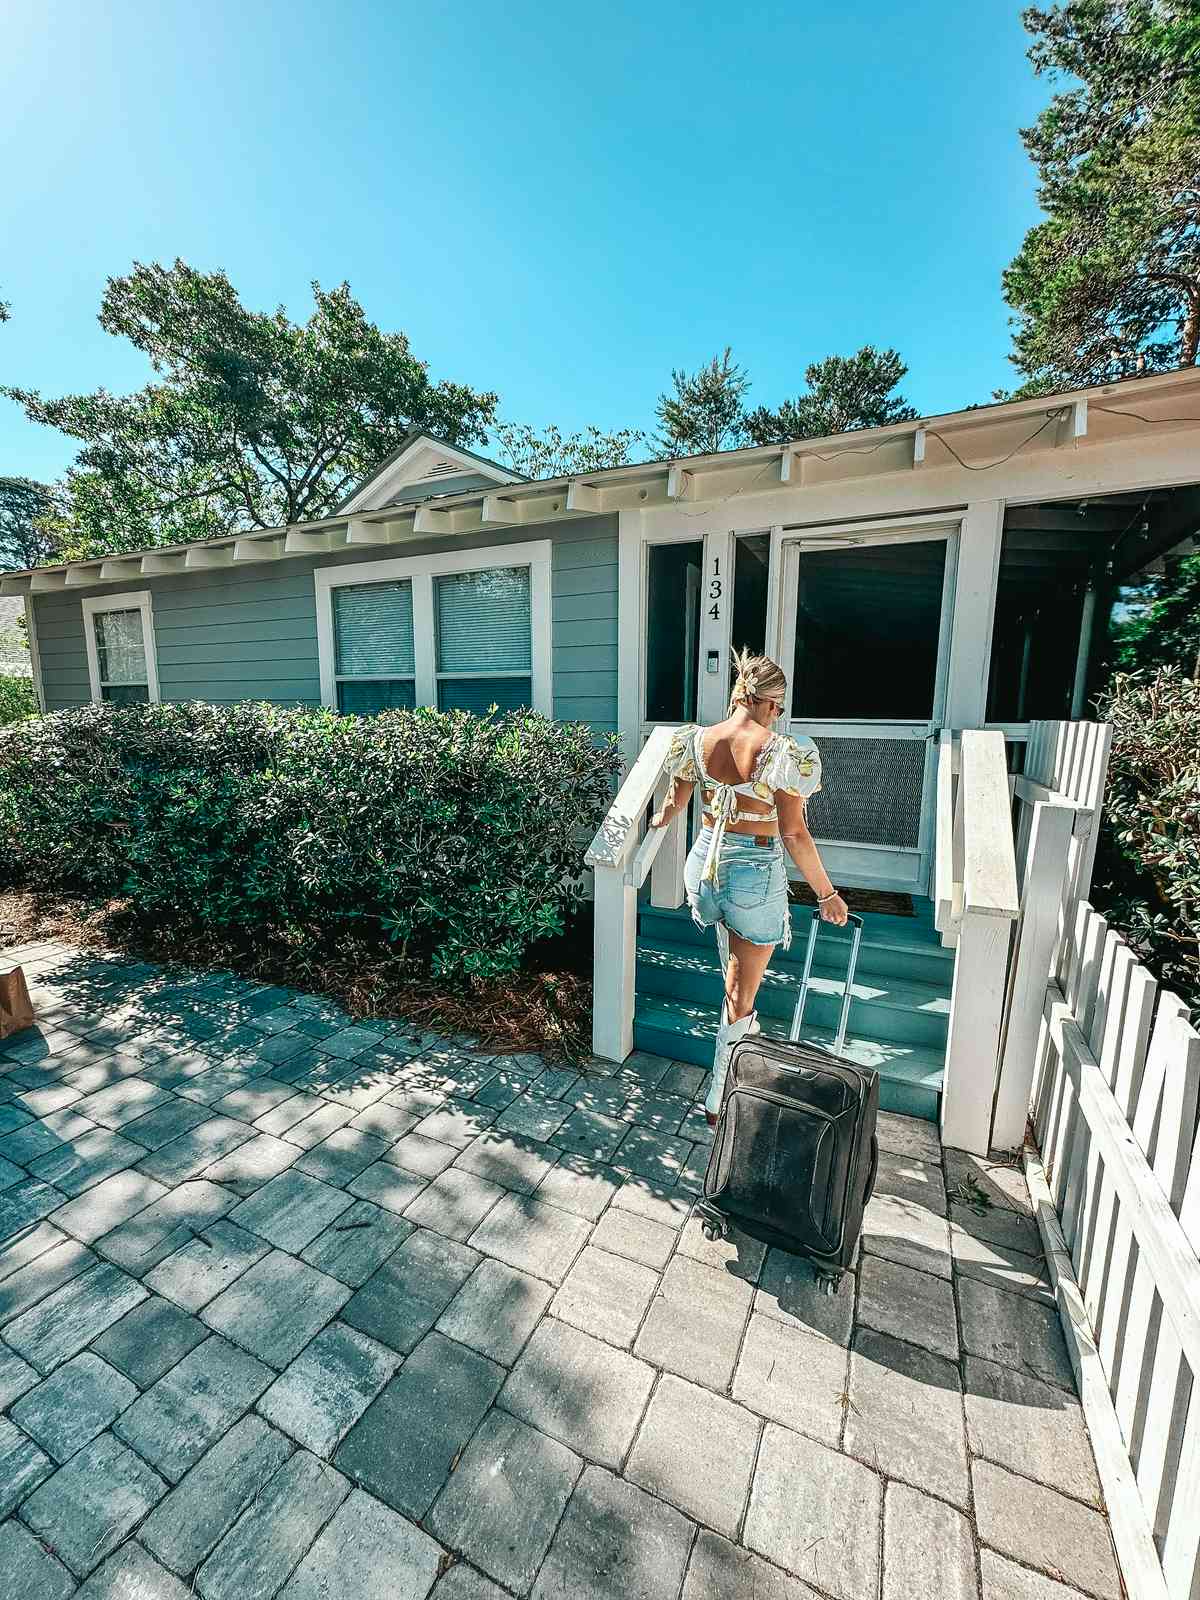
(978, 439)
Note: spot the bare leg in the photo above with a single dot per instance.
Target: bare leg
(743, 974)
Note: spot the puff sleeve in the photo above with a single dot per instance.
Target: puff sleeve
(794, 767)
(680, 765)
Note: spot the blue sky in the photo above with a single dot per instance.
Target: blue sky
(560, 203)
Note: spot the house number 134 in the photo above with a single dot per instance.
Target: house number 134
(715, 590)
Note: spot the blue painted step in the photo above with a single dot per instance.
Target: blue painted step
(899, 1008)
(880, 1007)
(910, 1078)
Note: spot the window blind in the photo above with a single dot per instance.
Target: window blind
(480, 694)
(120, 649)
(483, 621)
(363, 697)
(373, 630)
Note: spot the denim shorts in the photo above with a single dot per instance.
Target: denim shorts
(750, 895)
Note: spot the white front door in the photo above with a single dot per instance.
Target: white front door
(862, 614)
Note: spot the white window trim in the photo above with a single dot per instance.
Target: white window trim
(420, 571)
(136, 600)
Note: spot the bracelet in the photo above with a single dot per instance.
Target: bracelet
(823, 898)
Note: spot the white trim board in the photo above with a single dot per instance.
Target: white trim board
(420, 571)
(131, 600)
(35, 658)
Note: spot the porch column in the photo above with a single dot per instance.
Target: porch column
(630, 633)
(974, 605)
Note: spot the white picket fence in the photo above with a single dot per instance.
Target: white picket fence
(1109, 1071)
(1115, 1106)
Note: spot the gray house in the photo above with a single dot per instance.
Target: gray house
(966, 571)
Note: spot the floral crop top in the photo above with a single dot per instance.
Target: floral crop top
(785, 765)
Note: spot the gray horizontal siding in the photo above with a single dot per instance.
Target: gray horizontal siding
(251, 633)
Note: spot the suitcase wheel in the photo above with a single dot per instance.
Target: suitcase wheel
(714, 1230)
(828, 1283)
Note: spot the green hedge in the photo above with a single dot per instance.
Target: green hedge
(17, 699)
(457, 837)
(1148, 873)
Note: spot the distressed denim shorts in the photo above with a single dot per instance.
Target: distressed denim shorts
(750, 895)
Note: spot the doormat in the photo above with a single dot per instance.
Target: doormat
(882, 901)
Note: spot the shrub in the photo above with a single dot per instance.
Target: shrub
(457, 837)
(17, 699)
(1149, 874)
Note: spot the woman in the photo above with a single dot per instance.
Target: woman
(755, 784)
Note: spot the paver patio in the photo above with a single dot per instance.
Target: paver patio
(292, 1305)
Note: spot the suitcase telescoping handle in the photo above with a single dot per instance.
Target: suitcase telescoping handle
(856, 922)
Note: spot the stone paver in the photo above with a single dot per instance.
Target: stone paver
(642, 1239)
(78, 1401)
(905, 1415)
(1030, 1427)
(189, 1521)
(697, 1451)
(695, 1323)
(207, 1264)
(264, 1546)
(630, 1545)
(911, 1305)
(150, 1339)
(505, 1498)
(61, 1325)
(27, 1570)
(356, 1243)
(928, 1548)
(369, 1552)
(579, 1390)
(1042, 1528)
(496, 1310)
(327, 1388)
(401, 1302)
(605, 1295)
(403, 1447)
(291, 1210)
(89, 1506)
(788, 1292)
(275, 1307)
(539, 1239)
(107, 1205)
(817, 1514)
(1014, 1331)
(469, 1291)
(131, 1573)
(22, 1465)
(792, 1377)
(176, 1420)
(455, 1203)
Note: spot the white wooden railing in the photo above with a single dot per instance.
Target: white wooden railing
(1116, 1183)
(622, 854)
(1057, 799)
(975, 907)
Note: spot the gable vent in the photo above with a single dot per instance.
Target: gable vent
(440, 469)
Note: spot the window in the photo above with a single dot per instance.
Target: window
(119, 635)
(374, 661)
(484, 639)
(465, 630)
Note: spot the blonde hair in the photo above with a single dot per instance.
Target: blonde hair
(758, 678)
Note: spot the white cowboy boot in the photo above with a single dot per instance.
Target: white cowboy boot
(728, 1034)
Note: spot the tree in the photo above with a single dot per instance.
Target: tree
(1109, 284)
(706, 412)
(1162, 627)
(553, 455)
(254, 421)
(844, 393)
(24, 508)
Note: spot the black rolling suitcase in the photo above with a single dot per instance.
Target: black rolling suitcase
(794, 1158)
